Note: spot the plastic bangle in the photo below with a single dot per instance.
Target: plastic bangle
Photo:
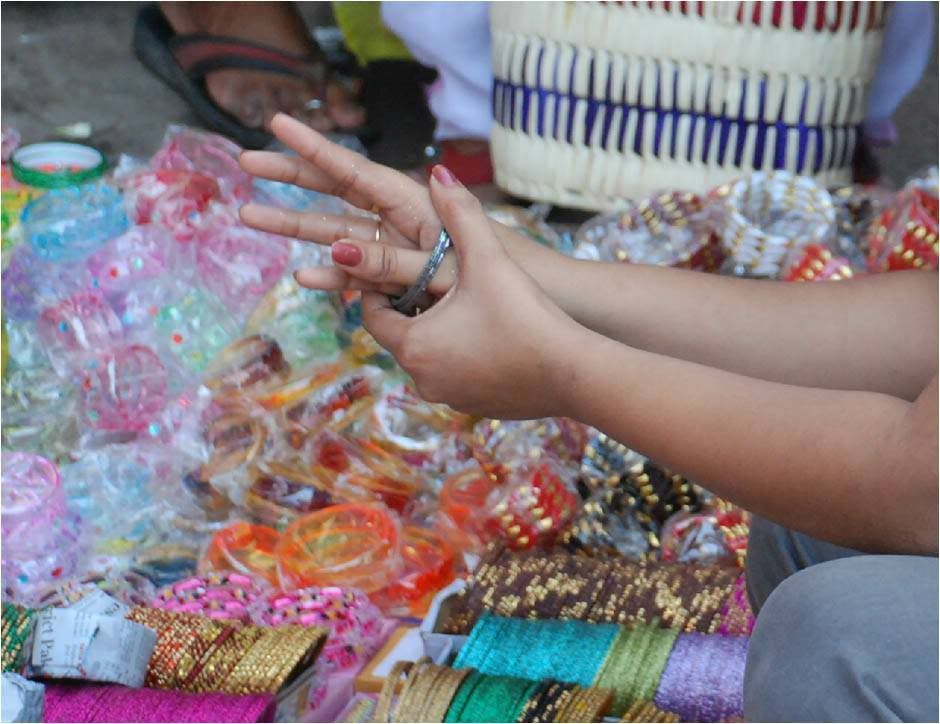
(57, 165)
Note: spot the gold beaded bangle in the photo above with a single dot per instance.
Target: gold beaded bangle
(647, 711)
(443, 694)
(420, 695)
(382, 709)
(419, 667)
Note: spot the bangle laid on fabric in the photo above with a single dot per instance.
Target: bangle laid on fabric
(407, 302)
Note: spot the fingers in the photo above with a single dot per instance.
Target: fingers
(383, 322)
(385, 265)
(319, 228)
(295, 171)
(331, 279)
(464, 218)
(351, 174)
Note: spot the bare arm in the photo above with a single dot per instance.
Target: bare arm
(875, 333)
(855, 468)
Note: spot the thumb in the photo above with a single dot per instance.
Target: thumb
(464, 219)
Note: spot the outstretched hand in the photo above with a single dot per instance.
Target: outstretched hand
(406, 222)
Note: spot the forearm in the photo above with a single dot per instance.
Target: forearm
(848, 467)
(876, 333)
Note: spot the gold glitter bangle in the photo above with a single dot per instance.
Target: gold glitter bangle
(197, 654)
(416, 703)
(443, 694)
(384, 705)
(418, 668)
(647, 711)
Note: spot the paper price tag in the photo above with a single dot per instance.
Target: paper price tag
(100, 603)
(73, 644)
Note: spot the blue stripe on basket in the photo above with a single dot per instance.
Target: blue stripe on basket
(717, 128)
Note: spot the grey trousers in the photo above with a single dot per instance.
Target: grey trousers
(840, 636)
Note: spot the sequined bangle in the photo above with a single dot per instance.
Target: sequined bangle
(704, 677)
(443, 694)
(570, 651)
(17, 628)
(417, 668)
(647, 711)
(197, 654)
(586, 705)
(634, 665)
(497, 698)
(558, 585)
(464, 693)
(389, 691)
(415, 699)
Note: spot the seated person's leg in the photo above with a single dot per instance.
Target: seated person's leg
(851, 639)
(775, 553)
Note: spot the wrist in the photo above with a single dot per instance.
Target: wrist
(569, 366)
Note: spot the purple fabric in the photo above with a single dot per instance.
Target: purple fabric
(704, 678)
(77, 702)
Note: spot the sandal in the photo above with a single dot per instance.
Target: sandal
(184, 61)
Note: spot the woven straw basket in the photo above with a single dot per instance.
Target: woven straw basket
(598, 102)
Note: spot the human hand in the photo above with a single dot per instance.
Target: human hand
(394, 247)
(494, 345)
(406, 218)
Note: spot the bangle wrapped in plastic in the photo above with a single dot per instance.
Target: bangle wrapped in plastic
(135, 257)
(280, 492)
(245, 368)
(40, 536)
(191, 325)
(351, 545)
(239, 265)
(537, 502)
(815, 263)
(75, 331)
(125, 389)
(670, 229)
(429, 565)
(169, 199)
(189, 149)
(761, 217)
(245, 548)
(496, 443)
(905, 236)
(66, 225)
(462, 511)
(301, 320)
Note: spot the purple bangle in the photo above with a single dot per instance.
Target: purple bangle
(704, 678)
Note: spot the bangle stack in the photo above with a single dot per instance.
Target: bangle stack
(432, 693)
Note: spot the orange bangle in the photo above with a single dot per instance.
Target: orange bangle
(356, 545)
(245, 548)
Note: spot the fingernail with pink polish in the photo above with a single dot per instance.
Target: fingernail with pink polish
(444, 176)
(346, 254)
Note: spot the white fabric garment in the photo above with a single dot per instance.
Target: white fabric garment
(454, 39)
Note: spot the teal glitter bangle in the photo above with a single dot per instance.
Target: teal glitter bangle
(497, 699)
(569, 651)
(462, 697)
